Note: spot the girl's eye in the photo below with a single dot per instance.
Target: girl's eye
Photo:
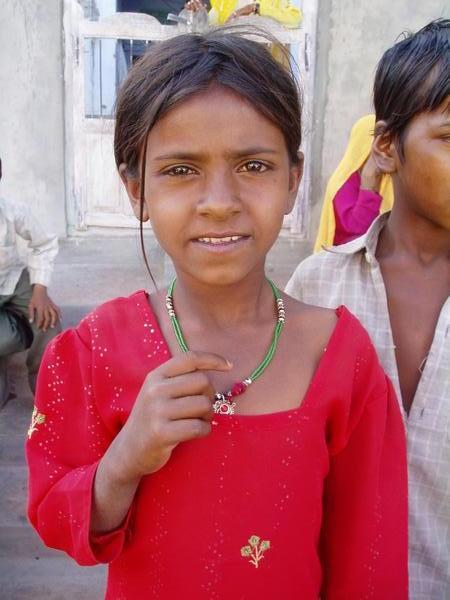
(253, 166)
(179, 170)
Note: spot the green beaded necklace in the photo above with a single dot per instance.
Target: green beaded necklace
(224, 404)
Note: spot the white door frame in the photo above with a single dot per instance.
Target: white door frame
(132, 26)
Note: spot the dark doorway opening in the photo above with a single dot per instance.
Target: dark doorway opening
(155, 8)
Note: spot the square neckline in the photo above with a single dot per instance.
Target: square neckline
(342, 314)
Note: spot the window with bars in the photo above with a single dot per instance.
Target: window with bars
(106, 64)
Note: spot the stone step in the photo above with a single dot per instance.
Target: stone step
(22, 542)
(50, 578)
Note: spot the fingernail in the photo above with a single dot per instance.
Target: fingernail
(230, 364)
(30, 320)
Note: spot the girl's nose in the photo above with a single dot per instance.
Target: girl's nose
(220, 196)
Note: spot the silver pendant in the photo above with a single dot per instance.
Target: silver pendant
(223, 406)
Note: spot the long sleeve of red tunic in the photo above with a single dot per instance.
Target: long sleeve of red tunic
(295, 504)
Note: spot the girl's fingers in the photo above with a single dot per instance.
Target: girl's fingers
(193, 361)
(190, 407)
(183, 430)
(188, 384)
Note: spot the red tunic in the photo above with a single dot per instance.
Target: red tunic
(280, 505)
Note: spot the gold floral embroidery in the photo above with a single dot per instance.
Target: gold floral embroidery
(255, 550)
(36, 419)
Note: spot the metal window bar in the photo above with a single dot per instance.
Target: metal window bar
(101, 78)
(106, 67)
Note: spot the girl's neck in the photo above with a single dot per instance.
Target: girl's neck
(224, 306)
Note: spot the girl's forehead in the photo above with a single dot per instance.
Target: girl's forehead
(203, 116)
(208, 101)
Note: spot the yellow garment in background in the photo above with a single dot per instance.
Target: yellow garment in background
(280, 10)
(356, 154)
(221, 10)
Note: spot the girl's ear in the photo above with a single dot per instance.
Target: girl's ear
(384, 149)
(295, 177)
(133, 187)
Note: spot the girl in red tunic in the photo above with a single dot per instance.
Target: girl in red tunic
(219, 440)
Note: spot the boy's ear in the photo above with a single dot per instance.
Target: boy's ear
(133, 187)
(295, 177)
(384, 149)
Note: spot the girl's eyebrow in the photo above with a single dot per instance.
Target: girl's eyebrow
(253, 150)
(233, 154)
(179, 156)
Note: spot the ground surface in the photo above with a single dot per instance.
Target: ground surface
(88, 271)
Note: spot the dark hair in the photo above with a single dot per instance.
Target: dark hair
(177, 68)
(412, 77)
(173, 70)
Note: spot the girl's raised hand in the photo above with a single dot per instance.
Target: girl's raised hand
(174, 405)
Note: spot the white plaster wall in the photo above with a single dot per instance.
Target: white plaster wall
(352, 36)
(31, 107)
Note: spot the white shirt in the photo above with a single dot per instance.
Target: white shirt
(16, 219)
(350, 275)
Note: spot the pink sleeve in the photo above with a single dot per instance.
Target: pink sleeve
(364, 537)
(355, 209)
(65, 443)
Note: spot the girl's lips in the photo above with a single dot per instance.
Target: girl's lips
(221, 244)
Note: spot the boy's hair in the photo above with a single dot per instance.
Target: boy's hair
(412, 77)
(173, 70)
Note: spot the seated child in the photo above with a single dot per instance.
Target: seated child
(28, 317)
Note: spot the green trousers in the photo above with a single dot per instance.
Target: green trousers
(17, 334)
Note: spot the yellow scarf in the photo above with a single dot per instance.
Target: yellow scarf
(287, 15)
(356, 154)
(221, 10)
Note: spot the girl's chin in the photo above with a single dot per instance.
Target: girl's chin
(222, 277)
